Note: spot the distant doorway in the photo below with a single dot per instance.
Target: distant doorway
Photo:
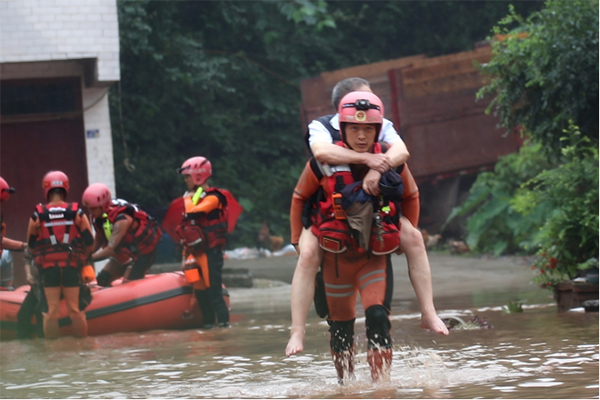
(41, 130)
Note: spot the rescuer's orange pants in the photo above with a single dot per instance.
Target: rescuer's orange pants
(347, 274)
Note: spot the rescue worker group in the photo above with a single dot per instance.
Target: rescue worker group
(341, 232)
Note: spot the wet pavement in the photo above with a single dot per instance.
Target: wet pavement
(451, 275)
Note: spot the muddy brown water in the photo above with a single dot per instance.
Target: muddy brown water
(535, 354)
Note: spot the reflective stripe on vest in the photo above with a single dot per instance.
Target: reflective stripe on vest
(59, 242)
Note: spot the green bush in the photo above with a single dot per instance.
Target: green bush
(495, 226)
(543, 200)
(568, 240)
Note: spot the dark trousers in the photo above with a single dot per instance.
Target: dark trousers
(29, 308)
(211, 300)
(141, 266)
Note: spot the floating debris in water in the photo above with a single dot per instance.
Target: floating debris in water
(456, 323)
(513, 307)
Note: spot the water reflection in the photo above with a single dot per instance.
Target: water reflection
(536, 354)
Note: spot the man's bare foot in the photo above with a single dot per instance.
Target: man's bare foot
(434, 323)
(295, 344)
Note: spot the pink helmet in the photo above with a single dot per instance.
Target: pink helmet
(5, 190)
(361, 108)
(198, 167)
(97, 195)
(53, 180)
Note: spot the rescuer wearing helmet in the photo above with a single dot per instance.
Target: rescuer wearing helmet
(356, 232)
(60, 239)
(322, 132)
(125, 234)
(203, 233)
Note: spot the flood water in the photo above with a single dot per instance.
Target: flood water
(535, 354)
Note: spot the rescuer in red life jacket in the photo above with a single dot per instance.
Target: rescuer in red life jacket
(60, 239)
(209, 214)
(125, 234)
(320, 135)
(351, 263)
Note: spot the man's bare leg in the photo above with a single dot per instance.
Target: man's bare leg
(51, 328)
(303, 289)
(419, 272)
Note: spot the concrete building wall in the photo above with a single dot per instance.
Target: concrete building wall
(66, 38)
(98, 141)
(40, 69)
(46, 39)
(44, 30)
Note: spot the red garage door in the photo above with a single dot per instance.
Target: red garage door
(42, 129)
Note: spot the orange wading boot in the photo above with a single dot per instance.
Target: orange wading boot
(380, 362)
(344, 364)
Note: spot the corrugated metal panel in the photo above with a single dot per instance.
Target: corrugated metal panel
(445, 128)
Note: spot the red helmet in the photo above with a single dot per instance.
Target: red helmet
(5, 190)
(361, 108)
(53, 180)
(97, 195)
(198, 167)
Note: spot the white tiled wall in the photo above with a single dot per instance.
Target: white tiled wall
(43, 38)
(98, 142)
(39, 30)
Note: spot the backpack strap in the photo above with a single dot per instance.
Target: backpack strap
(316, 168)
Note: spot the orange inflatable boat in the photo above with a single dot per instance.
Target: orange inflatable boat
(162, 301)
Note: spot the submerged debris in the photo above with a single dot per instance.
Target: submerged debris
(456, 323)
(458, 247)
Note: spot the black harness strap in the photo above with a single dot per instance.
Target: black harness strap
(314, 167)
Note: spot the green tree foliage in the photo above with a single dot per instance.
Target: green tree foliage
(187, 92)
(550, 77)
(222, 79)
(544, 199)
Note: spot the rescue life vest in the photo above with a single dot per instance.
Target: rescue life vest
(330, 223)
(138, 240)
(59, 243)
(201, 230)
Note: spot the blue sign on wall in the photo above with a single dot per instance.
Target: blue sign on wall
(92, 133)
